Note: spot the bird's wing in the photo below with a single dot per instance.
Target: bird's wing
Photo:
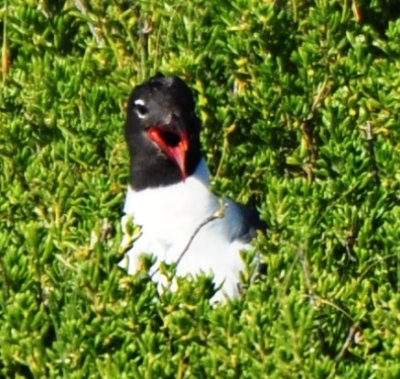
(249, 221)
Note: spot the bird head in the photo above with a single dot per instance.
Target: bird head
(162, 126)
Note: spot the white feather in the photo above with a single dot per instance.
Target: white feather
(170, 216)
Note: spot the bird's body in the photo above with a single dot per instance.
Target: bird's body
(181, 220)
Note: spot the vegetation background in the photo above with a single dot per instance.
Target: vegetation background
(300, 103)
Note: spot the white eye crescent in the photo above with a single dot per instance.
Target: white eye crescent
(140, 108)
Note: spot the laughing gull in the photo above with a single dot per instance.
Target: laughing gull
(169, 197)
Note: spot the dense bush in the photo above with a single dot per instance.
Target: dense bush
(300, 105)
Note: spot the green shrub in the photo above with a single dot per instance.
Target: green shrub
(300, 102)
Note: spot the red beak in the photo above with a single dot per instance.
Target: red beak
(173, 141)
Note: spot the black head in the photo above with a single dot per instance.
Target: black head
(162, 132)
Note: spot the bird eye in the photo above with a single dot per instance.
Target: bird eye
(140, 108)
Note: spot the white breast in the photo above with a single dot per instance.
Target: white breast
(173, 215)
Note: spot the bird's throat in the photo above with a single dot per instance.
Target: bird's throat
(173, 142)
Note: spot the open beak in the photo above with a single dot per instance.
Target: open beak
(173, 140)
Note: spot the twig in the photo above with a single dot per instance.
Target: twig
(225, 147)
(353, 330)
(307, 276)
(315, 298)
(375, 261)
(6, 279)
(5, 59)
(307, 125)
(369, 134)
(318, 98)
(82, 8)
(220, 213)
(321, 300)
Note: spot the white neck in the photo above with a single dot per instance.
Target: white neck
(182, 192)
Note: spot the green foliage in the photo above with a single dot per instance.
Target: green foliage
(305, 96)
